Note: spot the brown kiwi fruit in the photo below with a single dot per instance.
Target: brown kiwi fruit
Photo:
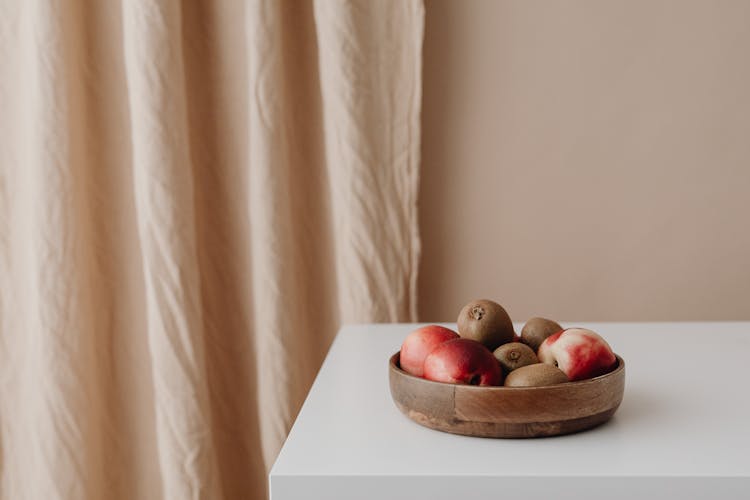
(486, 322)
(535, 375)
(515, 355)
(536, 330)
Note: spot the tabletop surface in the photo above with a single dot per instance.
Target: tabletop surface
(685, 412)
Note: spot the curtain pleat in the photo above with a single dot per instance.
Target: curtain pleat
(165, 211)
(51, 440)
(194, 196)
(369, 82)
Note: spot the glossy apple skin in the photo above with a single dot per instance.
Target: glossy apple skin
(419, 343)
(463, 361)
(579, 352)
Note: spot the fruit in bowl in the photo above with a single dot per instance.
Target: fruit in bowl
(537, 329)
(514, 355)
(580, 353)
(487, 322)
(536, 375)
(421, 342)
(462, 361)
(539, 396)
(440, 354)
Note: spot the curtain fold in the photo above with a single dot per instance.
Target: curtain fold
(194, 196)
(165, 213)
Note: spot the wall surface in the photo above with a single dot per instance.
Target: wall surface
(587, 160)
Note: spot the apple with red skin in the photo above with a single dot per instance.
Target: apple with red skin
(579, 352)
(419, 343)
(463, 361)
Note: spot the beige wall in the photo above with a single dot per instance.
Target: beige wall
(587, 160)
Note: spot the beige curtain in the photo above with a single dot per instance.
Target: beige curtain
(193, 197)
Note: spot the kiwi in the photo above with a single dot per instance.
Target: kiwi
(486, 322)
(535, 375)
(536, 330)
(515, 355)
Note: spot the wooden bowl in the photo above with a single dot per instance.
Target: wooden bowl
(507, 412)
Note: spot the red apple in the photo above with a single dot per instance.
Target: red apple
(578, 352)
(463, 361)
(419, 343)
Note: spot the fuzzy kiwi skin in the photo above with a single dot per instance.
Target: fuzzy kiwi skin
(536, 330)
(514, 355)
(486, 322)
(535, 376)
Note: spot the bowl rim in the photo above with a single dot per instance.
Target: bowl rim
(394, 366)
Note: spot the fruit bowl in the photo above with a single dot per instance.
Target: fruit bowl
(507, 412)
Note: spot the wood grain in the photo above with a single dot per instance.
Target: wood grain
(507, 412)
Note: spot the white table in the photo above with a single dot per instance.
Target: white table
(682, 431)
